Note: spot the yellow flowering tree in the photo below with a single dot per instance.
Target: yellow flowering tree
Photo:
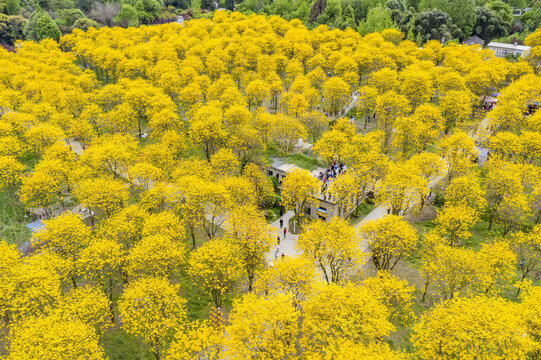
(333, 246)
(452, 271)
(389, 240)
(216, 266)
(249, 231)
(258, 330)
(10, 172)
(9, 260)
(472, 328)
(288, 275)
(362, 319)
(166, 224)
(400, 188)
(527, 247)
(152, 309)
(336, 93)
(201, 340)
(466, 191)
(65, 235)
(261, 184)
(101, 264)
(102, 194)
(454, 223)
(457, 149)
(344, 191)
(395, 294)
(88, 305)
(36, 286)
(155, 255)
(300, 189)
(530, 312)
(54, 337)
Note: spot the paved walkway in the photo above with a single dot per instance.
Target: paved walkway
(287, 245)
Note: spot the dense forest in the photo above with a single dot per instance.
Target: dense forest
(419, 20)
(141, 219)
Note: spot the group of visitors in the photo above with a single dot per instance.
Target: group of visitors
(285, 233)
(336, 168)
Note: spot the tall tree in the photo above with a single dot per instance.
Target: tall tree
(333, 246)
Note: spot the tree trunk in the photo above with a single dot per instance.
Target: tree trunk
(250, 281)
(110, 296)
(427, 282)
(74, 283)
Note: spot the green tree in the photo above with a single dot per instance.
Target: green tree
(30, 28)
(462, 12)
(377, 19)
(127, 16)
(195, 6)
(69, 16)
(85, 24)
(317, 9)
(434, 25)
(332, 15)
(47, 28)
(147, 9)
(489, 25)
(503, 10)
(13, 7)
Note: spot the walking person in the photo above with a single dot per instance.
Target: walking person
(278, 240)
(281, 223)
(285, 232)
(281, 213)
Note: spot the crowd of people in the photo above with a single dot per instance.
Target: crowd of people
(336, 168)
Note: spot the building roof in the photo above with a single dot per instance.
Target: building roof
(281, 165)
(509, 46)
(474, 40)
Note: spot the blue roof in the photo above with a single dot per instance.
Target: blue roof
(35, 226)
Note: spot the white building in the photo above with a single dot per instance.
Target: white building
(502, 49)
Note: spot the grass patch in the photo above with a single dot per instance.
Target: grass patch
(119, 345)
(431, 148)
(272, 214)
(303, 161)
(298, 227)
(198, 302)
(360, 213)
(480, 232)
(13, 220)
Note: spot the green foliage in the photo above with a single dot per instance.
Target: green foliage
(69, 16)
(532, 19)
(195, 6)
(47, 28)
(434, 25)
(13, 7)
(30, 28)
(85, 24)
(147, 10)
(120, 345)
(462, 12)
(378, 19)
(11, 28)
(489, 25)
(332, 15)
(127, 16)
(503, 10)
